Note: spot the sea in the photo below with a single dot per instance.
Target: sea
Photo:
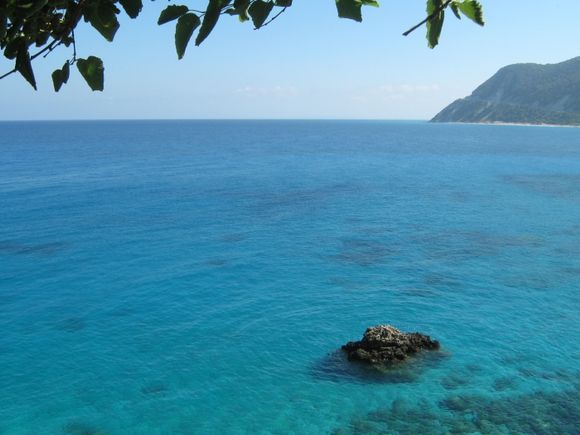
(200, 277)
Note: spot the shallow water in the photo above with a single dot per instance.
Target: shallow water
(198, 277)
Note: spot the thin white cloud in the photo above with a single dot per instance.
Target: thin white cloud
(267, 91)
(409, 88)
(402, 91)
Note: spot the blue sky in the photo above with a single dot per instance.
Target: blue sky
(308, 64)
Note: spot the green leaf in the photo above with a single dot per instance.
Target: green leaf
(183, 30)
(473, 10)
(2, 25)
(455, 10)
(103, 17)
(24, 67)
(33, 7)
(57, 79)
(210, 19)
(65, 72)
(259, 11)
(373, 3)
(171, 13)
(41, 38)
(284, 3)
(350, 9)
(93, 72)
(60, 76)
(13, 47)
(435, 24)
(241, 9)
(132, 7)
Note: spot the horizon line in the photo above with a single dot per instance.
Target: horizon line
(214, 119)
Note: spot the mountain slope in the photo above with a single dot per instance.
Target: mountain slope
(523, 93)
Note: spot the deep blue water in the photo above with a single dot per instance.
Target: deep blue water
(198, 277)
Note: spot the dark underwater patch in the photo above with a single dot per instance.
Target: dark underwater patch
(531, 281)
(565, 186)
(419, 292)
(154, 388)
(15, 247)
(401, 417)
(362, 252)
(216, 262)
(457, 246)
(474, 369)
(555, 375)
(505, 383)
(440, 280)
(373, 231)
(461, 197)
(573, 271)
(537, 413)
(568, 249)
(233, 238)
(545, 413)
(71, 324)
(302, 199)
(573, 231)
(82, 428)
(346, 283)
(123, 311)
(335, 367)
(455, 380)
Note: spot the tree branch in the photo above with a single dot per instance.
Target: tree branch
(74, 44)
(272, 19)
(53, 44)
(429, 18)
(8, 73)
(69, 28)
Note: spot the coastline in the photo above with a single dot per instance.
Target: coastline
(511, 124)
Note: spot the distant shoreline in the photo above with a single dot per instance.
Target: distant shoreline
(512, 124)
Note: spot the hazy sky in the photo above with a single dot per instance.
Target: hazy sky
(307, 64)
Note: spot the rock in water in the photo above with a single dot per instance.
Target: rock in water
(385, 344)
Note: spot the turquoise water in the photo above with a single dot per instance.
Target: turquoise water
(198, 277)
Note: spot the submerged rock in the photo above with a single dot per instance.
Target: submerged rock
(385, 344)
